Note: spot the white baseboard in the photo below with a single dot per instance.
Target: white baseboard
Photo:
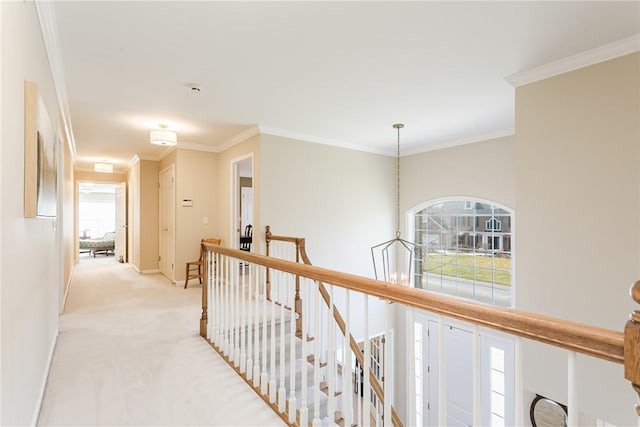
(45, 379)
(153, 271)
(66, 292)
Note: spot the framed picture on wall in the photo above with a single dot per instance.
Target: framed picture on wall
(40, 171)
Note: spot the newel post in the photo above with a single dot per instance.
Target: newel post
(632, 345)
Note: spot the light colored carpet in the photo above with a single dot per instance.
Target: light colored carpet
(129, 353)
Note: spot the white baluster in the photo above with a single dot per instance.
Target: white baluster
(249, 322)
(442, 390)
(218, 307)
(214, 308)
(347, 385)
(282, 390)
(264, 377)
(256, 324)
(236, 312)
(477, 409)
(411, 360)
(572, 388)
(304, 411)
(272, 358)
(316, 361)
(225, 308)
(230, 310)
(242, 311)
(518, 384)
(292, 360)
(387, 364)
(331, 362)
(366, 400)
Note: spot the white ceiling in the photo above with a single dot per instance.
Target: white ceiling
(335, 72)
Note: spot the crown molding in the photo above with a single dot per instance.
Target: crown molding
(462, 141)
(196, 147)
(284, 133)
(135, 159)
(237, 139)
(46, 17)
(574, 62)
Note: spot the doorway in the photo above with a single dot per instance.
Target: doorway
(102, 219)
(242, 202)
(497, 374)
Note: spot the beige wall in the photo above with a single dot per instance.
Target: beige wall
(142, 215)
(484, 170)
(29, 292)
(340, 200)
(223, 208)
(133, 215)
(578, 219)
(148, 226)
(196, 179)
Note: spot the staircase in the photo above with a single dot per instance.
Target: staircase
(285, 337)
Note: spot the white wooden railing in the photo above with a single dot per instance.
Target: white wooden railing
(275, 321)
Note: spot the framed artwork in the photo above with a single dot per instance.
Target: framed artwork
(40, 167)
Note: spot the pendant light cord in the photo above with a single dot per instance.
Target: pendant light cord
(398, 126)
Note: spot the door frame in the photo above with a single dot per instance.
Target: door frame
(487, 338)
(235, 231)
(172, 209)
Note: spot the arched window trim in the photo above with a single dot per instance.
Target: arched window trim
(410, 228)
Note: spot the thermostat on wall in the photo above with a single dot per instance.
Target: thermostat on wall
(187, 202)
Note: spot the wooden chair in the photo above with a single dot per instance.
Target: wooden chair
(195, 269)
(245, 241)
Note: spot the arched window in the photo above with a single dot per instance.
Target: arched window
(465, 249)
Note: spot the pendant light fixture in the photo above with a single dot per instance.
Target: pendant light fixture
(393, 259)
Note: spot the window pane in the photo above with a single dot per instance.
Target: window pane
(497, 359)
(465, 250)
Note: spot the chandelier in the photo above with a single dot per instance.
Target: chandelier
(393, 259)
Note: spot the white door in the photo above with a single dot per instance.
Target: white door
(121, 222)
(167, 203)
(458, 374)
(497, 376)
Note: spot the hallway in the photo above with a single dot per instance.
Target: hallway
(129, 353)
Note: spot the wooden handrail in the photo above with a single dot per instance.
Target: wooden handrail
(590, 340)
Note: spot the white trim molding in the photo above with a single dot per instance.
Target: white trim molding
(574, 62)
(197, 147)
(45, 379)
(462, 141)
(237, 139)
(284, 133)
(47, 19)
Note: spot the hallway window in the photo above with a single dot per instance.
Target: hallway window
(96, 209)
(464, 249)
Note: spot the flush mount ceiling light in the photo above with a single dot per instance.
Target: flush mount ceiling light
(163, 136)
(103, 167)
